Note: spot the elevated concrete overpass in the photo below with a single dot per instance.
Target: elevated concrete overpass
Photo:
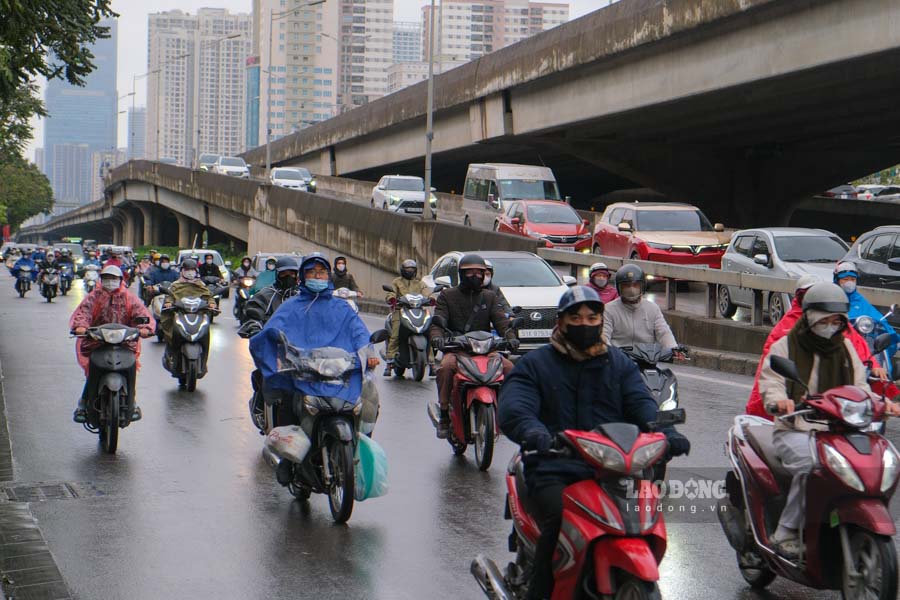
(741, 106)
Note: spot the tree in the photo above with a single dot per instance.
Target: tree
(15, 112)
(24, 191)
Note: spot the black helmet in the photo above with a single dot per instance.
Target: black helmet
(189, 263)
(163, 257)
(628, 274)
(409, 269)
(826, 297)
(472, 261)
(286, 263)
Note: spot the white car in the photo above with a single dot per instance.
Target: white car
(402, 194)
(231, 165)
(294, 178)
(525, 280)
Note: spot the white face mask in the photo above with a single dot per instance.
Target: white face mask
(190, 274)
(600, 282)
(487, 280)
(849, 286)
(825, 330)
(163, 265)
(631, 295)
(111, 284)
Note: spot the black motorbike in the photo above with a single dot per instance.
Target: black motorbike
(23, 280)
(242, 296)
(415, 322)
(190, 331)
(49, 283)
(110, 403)
(66, 276)
(217, 287)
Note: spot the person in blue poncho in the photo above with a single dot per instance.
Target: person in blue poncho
(312, 319)
(266, 277)
(27, 260)
(846, 276)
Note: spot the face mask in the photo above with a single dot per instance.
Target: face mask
(287, 281)
(600, 282)
(246, 265)
(849, 286)
(473, 282)
(209, 262)
(164, 266)
(317, 285)
(340, 267)
(583, 337)
(270, 267)
(631, 295)
(408, 274)
(825, 330)
(110, 285)
(487, 280)
(191, 274)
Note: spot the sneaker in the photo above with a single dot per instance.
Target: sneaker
(388, 369)
(284, 472)
(136, 414)
(80, 415)
(789, 548)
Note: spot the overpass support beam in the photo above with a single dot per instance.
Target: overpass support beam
(118, 232)
(186, 231)
(150, 230)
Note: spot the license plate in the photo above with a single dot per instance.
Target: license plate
(535, 333)
(565, 248)
(414, 210)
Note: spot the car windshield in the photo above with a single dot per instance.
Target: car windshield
(526, 271)
(554, 214)
(201, 256)
(288, 174)
(672, 220)
(809, 248)
(406, 185)
(208, 159)
(233, 162)
(75, 249)
(523, 189)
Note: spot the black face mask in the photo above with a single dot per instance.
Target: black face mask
(583, 337)
(287, 281)
(472, 282)
(408, 274)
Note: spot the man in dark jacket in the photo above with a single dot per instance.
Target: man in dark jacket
(208, 268)
(467, 307)
(574, 382)
(341, 278)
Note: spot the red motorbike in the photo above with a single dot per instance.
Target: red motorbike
(613, 536)
(848, 528)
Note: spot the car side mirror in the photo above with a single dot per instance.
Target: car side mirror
(379, 336)
(624, 227)
(894, 264)
(433, 189)
(387, 288)
(381, 187)
(718, 227)
(569, 280)
(761, 259)
(493, 201)
(444, 280)
(568, 199)
(786, 368)
(882, 343)
(586, 223)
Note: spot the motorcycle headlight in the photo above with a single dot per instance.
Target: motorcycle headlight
(247, 281)
(606, 455)
(865, 325)
(312, 183)
(113, 336)
(647, 455)
(856, 414)
(841, 467)
(891, 463)
(660, 246)
(480, 346)
(79, 261)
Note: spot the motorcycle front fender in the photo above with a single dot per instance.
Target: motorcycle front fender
(418, 342)
(871, 514)
(114, 382)
(629, 554)
(192, 351)
(338, 428)
(480, 394)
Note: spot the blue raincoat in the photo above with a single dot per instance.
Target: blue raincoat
(859, 307)
(24, 262)
(311, 321)
(263, 280)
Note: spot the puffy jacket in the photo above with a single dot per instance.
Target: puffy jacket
(456, 306)
(404, 286)
(641, 323)
(158, 275)
(264, 303)
(548, 391)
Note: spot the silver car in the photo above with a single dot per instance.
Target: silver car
(785, 252)
(401, 194)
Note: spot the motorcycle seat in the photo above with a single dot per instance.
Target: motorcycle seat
(760, 439)
(522, 490)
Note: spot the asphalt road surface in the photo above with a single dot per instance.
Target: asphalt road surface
(187, 508)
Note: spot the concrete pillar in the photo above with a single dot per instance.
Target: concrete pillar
(150, 228)
(185, 232)
(118, 232)
(129, 226)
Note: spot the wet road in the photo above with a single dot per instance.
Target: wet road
(187, 508)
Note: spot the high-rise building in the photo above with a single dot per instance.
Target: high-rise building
(102, 162)
(196, 92)
(366, 50)
(39, 161)
(401, 75)
(137, 133)
(252, 98)
(81, 120)
(407, 42)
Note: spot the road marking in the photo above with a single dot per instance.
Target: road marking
(713, 380)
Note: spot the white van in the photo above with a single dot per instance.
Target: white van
(490, 187)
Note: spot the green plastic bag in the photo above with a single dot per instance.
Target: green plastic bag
(371, 469)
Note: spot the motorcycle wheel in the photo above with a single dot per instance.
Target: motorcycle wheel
(484, 436)
(637, 589)
(343, 481)
(659, 471)
(109, 433)
(49, 298)
(190, 377)
(21, 293)
(875, 559)
(418, 368)
(754, 570)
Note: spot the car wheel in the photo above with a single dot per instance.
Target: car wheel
(726, 306)
(635, 256)
(467, 222)
(497, 226)
(373, 202)
(776, 307)
(384, 206)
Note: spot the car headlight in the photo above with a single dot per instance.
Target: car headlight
(647, 455)
(659, 246)
(608, 456)
(865, 325)
(78, 261)
(841, 467)
(856, 414)
(394, 199)
(584, 236)
(433, 200)
(312, 183)
(891, 463)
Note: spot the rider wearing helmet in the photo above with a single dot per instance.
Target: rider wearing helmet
(407, 283)
(599, 280)
(115, 259)
(846, 275)
(825, 359)
(574, 382)
(632, 319)
(467, 307)
(267, 277)
(245, 269)
(188, 284)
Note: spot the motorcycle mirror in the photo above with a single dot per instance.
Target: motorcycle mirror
(668, 418)
(141, 320)
(386, 287)
(439, 288)
(895, 308)
(786, 368)
(379, 336)
(882, 343)
(515, 310)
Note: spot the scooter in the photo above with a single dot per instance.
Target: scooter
(23, 281)
(190, 330)
(217, 287)
(66, 276)
(156, 304)
(91, 278)
(111, 404)
(870, 329)
(49, 284)
(415, 322)
(473, 401)
(349, 296)
(848, 526)
(613, 536)
(242, 296)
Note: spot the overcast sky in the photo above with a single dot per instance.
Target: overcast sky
(133, 41)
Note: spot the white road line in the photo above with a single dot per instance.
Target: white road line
(713, 380)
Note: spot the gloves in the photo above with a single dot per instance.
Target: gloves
(537, 439)
(437, 343)
(513, 344)
(678, 443)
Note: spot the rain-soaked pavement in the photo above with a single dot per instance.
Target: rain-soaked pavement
(187, 508)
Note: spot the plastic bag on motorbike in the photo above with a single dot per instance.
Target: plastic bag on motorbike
(371, 469)
(370, 406)
(288, 442)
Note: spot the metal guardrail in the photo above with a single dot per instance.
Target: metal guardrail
(713, 278)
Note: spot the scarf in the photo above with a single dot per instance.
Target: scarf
(562, 345)
(834, 360)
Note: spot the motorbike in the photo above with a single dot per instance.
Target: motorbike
(349, 296)
(217, 287)
(848, 526)
(49, 284)
(415, 322)
(111, 404)
(66, 276)
(613, 536)
(241, 296)
(870, 329)
(156, 304)
(331, 425)
(91, 278)
(473, 401)
(23, 280)
(191, 327)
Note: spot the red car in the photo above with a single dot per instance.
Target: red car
(554, 222)
(660, 231)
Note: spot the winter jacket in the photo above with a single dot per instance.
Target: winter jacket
(264, 303)
(344, 280)
(481, 310)
(159, 275)
(549, 392)
(209, 270)
(178, 290)
(404, 286)
(641, 323)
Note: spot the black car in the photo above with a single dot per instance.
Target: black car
(876, 254)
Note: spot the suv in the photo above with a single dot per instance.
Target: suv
(401, 194)
(231, 165)
(525, 280)
(784, 252)
(296, 178)
(666, 232)
(200, 254)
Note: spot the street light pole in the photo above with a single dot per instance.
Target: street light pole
(429, 119)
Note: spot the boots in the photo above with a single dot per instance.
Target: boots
(443, 428)
(80, 415)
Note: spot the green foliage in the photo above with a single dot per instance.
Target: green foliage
(24, 191)
(15, 111)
